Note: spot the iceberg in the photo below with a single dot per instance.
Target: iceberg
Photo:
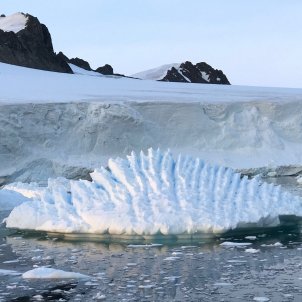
(152, 193)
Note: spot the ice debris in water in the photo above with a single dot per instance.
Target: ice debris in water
(51, 273)
(261, 299)
(4, 272)
(235, 244)
(151, 194)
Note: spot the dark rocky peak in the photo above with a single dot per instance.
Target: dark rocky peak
(173, 75)
(192, 75)
(105, 70)
(36, 32)
(80, 63)
(215, 76)
(24, 41)
(61, 56)
(199, 73)
(203, 66)
(108, 70)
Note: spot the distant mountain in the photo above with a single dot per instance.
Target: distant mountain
(155, 74)
(186, 73)
(24, 41)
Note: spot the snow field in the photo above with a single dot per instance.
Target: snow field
(14, 22)
(155, 73)
(58, 124)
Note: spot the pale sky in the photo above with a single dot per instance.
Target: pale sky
(255, 42)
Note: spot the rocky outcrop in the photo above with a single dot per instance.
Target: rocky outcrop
(24, 41)
(105, 70)
(61, 56)
(198, 73)
(31, 47)
(80, 63)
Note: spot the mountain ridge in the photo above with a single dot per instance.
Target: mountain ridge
(29, 45)
(185, 72)
(24, 41)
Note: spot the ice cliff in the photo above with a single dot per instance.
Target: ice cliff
(39, 141)
(153, 194)
(56, 124)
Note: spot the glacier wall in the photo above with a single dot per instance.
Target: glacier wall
(38, 141)
(153, 194)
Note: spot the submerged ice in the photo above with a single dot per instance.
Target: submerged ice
(150, 194)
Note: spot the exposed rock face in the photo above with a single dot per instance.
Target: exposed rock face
(61, 56)
(80, 63)
(173, 75)
(24, 41)
(199, 73)
(31, 47)
(106, 70)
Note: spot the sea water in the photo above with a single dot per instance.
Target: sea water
(262, 267)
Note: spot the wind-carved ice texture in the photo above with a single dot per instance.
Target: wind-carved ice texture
(151, 194)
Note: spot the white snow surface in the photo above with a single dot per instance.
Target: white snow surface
(180, 71)
(160, 72)
(51, 273)
(205, 76)
(157, 73)
(28, 190)
(153, 194)
(38, 86)
(14, 22)
(81, 71)
(54, 124)
(15, 194)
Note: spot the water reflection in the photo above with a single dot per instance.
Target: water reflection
(167, 272)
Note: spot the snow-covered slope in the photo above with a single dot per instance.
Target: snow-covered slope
(54, 124)
(154, 194)
(155, 73)
(15, 22)
(37, 86)
(81, 71)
